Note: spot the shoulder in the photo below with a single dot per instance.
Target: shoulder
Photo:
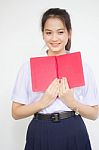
(24, 71)
(25, 67)
(88, 74)
(87, 69)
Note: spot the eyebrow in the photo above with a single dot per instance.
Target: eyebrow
(57, 29)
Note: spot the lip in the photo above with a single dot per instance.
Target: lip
(55, 44)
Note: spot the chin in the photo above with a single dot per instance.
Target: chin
(56, 50)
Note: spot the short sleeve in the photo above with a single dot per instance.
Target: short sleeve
(90, 93)
(20, 92)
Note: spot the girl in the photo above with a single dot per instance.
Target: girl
(57, 122)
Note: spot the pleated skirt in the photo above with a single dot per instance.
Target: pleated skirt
(68, 134)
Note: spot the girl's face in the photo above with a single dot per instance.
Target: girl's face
(55, 36)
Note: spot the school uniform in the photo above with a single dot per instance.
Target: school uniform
(46, 133)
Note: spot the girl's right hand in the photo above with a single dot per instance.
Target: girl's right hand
(50, 94)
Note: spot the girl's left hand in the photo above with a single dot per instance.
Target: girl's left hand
(66, 94)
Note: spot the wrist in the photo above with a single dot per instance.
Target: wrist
(40, 104)
(75, 108)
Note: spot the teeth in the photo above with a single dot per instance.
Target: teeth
(55, 44)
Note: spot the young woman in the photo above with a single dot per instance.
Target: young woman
(57, 122)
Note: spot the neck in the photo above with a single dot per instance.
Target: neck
(55, 53)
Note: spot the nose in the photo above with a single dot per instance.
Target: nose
(54, 37)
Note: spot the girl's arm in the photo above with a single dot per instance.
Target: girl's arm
(20, 111)
(67, 97)
(86, 111)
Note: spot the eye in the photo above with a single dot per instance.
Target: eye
(48, 32)
(60, 32)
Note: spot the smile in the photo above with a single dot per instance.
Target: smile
(55, 44)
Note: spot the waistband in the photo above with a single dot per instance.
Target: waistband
(55, 117)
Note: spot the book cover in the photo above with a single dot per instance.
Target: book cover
(45, 69)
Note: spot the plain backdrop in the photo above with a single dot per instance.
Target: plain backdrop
(21, 38)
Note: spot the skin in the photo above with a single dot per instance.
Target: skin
(56, 37)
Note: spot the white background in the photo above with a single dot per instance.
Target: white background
(21, 38)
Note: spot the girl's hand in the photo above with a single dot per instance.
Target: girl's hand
(66, 94)
(50, 94)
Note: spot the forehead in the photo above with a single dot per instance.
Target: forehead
(54, 23)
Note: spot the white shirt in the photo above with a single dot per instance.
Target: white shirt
(22, 91)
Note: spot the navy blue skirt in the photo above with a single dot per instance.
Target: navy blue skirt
(68, 134)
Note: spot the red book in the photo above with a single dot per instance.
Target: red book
(45, 69)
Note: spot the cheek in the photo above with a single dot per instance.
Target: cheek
(46, 39)
(65, 40)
